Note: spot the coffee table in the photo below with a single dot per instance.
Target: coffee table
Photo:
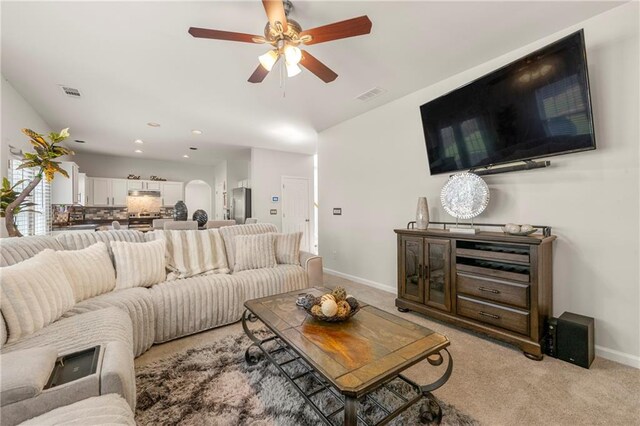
(352, 361)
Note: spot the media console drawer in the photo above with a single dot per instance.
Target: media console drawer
(503, 317)
(511, 293)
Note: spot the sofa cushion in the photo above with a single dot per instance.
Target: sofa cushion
(255, 252)
(288, 248)
(194, 304)
(89, 271)
(15, 250)
(269, 281)
(136, 302)
(191, 253)
(80, 240)
(230, 232)
(33, 294)
(80, 332)
(108, 409)
(138, 264)
(25, 373)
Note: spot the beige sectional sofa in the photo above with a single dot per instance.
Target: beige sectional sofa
(126, 323)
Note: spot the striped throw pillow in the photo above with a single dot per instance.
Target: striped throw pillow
(288, 248)
(191, 253)
(33, 294)
(89, 271)
(255, 252)
(139, 264)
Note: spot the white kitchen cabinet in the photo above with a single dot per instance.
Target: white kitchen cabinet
(82, 189)
(153, 185)
(133, 184)
(101, 192)
(119, 192)
(65, 190)
(144, 185)
(88, 191)
(172, 192)
(109, 192)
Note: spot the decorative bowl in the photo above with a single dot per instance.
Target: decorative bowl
(520, 234)
(313, 305)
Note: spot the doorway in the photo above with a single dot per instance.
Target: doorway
(296, 208)
(197, 196)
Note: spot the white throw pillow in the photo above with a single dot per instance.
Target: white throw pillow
(89, 271)
(288, 248)
(139, 264)
(33, 294)
(255, 252)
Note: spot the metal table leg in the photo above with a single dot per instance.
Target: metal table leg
(350, 411)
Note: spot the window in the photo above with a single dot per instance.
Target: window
(32, 223)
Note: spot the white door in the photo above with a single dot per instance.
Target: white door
(219, 202)
(296, 211)
(171, 193)
(119, 192)
(101, 192)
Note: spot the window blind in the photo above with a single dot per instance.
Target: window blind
(32, 223)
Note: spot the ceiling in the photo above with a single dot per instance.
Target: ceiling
(134, 63)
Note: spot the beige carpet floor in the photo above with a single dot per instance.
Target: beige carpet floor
(493, 382)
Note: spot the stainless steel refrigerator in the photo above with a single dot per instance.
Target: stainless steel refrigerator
(240, 204)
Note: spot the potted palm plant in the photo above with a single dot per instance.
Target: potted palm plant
(43, 160)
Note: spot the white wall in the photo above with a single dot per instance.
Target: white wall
(267, 169)
(220, 177)
(375, 167)
(17, 114)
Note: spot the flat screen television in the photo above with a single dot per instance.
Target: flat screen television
(537, 106)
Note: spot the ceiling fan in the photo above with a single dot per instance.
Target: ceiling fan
(285, 35)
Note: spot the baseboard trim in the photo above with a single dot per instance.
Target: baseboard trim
(601, 351)
(617, 356)
(359, 280)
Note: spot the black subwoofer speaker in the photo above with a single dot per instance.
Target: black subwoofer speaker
(575, 339)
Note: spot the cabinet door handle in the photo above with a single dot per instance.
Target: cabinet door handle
(419, 271)
(426, 272)
(485, 314)
(107, 200)
(112, 202)
(489, 290)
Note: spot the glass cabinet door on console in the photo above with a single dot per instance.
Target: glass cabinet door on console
(411, 269)
(437, 273)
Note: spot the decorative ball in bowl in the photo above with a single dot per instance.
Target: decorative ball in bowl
(521, 230)
(336, 306)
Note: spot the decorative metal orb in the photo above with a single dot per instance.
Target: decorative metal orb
(201, 217)
(465, 195)
(180, 211)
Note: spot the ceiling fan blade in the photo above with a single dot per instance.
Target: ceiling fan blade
(223, 35)
(337, 30)
(323, 72)
(275, 13)
(258, 75)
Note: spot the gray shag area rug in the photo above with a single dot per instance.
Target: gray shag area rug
(213, 385)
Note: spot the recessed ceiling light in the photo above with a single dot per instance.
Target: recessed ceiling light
(138, 151)
(193, 148)
(79, 141)
(153, 124)
(196, 132)
(185, 156)
(138, 141)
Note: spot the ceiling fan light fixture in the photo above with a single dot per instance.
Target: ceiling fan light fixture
(292, 54)
(292, 69)
(268, 59)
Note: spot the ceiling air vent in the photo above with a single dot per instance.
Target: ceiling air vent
(70, 91)
(370, 94)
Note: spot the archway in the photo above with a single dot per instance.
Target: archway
(197, 196)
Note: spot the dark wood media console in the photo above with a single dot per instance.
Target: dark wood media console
(490, 282)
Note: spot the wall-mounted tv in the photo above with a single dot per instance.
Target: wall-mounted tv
(535, 107)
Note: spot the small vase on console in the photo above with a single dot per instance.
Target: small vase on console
(422, 213)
